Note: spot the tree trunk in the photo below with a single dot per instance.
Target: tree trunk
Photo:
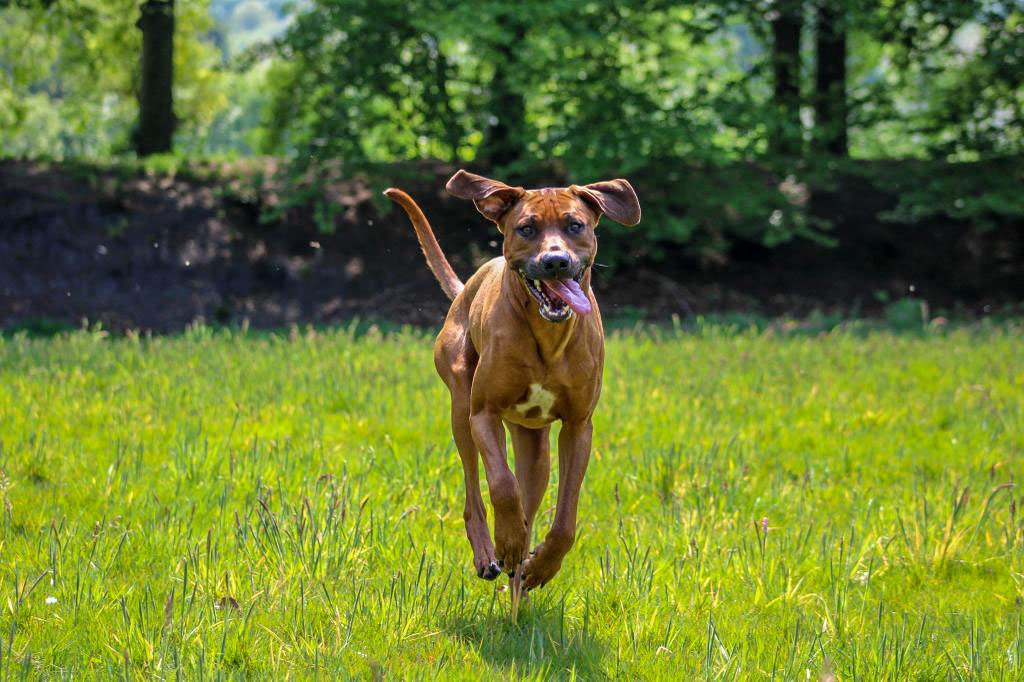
(156, 103)
(505, 132)
(786, 129)
(830, 81)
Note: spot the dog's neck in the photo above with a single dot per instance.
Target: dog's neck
(553, 338)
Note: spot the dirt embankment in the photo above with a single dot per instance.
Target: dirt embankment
(158, 253)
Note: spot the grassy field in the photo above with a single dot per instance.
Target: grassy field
(797, 507)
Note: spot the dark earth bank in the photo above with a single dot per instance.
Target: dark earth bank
(158, 252)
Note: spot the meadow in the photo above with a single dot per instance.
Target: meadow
(226, 504)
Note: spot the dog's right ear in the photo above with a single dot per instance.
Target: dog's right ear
(492, 198)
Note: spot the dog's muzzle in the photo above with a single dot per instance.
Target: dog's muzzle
(557, 297)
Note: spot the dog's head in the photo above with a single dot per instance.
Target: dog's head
(550, 237)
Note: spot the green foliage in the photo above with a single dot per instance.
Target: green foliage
(230, 504)
(591, 88)
(982, 194)
(907, 314)
(944, 79)
(606, 87)
(603, 86)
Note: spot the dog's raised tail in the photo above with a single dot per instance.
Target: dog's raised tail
(436, 261)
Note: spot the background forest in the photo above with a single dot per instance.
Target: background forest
(882, 127)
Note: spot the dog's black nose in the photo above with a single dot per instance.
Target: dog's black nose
(555, 263)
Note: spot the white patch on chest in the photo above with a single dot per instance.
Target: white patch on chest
(538, 397)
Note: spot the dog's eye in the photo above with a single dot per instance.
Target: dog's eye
(526, 231)
(575, 227)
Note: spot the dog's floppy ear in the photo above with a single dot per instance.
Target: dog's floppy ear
(492, 198)
(614, 198)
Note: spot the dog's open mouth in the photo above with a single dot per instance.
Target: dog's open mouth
(558, 298)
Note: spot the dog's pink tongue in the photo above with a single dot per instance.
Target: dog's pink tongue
(571, 292)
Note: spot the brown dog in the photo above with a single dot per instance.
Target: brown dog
(522, 346)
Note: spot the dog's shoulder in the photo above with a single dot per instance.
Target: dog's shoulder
(491, 269)
(480, 293)
(486, 279)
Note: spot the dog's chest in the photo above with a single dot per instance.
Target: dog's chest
(538, 403)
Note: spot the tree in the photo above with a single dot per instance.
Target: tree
(830, 79)
(155, 130)
(505, 133)
(786, 19)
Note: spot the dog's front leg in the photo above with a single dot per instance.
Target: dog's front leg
(511, 539)
(573, 455)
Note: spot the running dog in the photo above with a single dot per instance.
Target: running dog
(523, 346)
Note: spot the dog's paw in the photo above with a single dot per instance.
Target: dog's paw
(488, 570)
(543, 563)
(511, 541)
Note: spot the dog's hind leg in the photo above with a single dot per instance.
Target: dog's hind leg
(532, 450)
(574, 443)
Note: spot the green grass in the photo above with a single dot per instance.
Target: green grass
(259, 505)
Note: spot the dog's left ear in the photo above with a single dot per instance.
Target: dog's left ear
(614, 198)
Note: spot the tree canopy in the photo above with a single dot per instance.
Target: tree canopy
(588, 84)
(598, 84)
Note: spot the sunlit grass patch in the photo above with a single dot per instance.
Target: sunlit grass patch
(757, 504)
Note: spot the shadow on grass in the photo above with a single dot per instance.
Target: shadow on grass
(543, 641)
